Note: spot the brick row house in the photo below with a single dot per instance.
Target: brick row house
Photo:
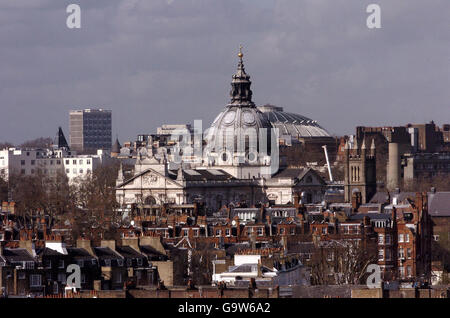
(40, 268)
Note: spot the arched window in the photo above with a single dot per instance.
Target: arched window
(150, 200)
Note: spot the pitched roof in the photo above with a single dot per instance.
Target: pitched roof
(292, 173)
(79, 253)
(128, 252)
(203, 175)
(439, 204)
(17, 255)
(106, 253)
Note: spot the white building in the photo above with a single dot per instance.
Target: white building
(49, 162)
(247, 267)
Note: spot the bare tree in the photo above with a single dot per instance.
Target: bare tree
(201, 263)
(41, 142)
(342, 261)
(95, 195)
(6, 145)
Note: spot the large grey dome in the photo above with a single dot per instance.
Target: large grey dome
(294, 125)
(238, 127)
(235, 122)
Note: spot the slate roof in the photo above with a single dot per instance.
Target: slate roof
(380, 197)
(203, 175)
(128, 252)
(152, 252)
(79, 253)
(47, 252)
(439, 204)
(301, 247)
(17, 255)
(292, 173)
(371, 216)
(106, 253)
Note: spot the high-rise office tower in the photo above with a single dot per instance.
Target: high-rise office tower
(90, 129)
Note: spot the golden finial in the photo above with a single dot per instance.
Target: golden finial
(240, 54)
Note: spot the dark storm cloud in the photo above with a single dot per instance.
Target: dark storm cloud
(155, 62)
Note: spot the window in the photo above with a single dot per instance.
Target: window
(408, 253)
(107, 262)
(436, 237)
(80, 263)
(51, 162)
(74, 170)
(409, 271)
(81, 170)
(118, 278)
(218, 232)
(260, 231)
(58, 162)
(388, 254)
(402, 271)
(22, 275)
(185, 232)
(401, 253)
(388, 239)
(61, 263)
(324, 230)
(281, 230)
(22, 162)
(292, 231)
(227, 232)
(406, 237)
(196, 232)
(330, 256)
(33, 162)
(88, 162)
(381, 255)
(67, 170)
(400, 238)
(81, 161)
(22, 171)
(67, 162)
(35, 280)
(380, 239)
(62, 277)
(139, 261)
(120, 262)
(74, 162)
(129, 262)
(48, 264)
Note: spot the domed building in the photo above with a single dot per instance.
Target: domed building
(292, 125)
(240, 162)
(242, 139)
(239, 139)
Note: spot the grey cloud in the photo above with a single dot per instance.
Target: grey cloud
(160, 61)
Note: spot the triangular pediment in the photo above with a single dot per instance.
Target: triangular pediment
(149, 178)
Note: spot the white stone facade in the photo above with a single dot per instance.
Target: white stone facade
(49, 162)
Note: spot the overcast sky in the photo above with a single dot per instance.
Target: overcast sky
(171, 61)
